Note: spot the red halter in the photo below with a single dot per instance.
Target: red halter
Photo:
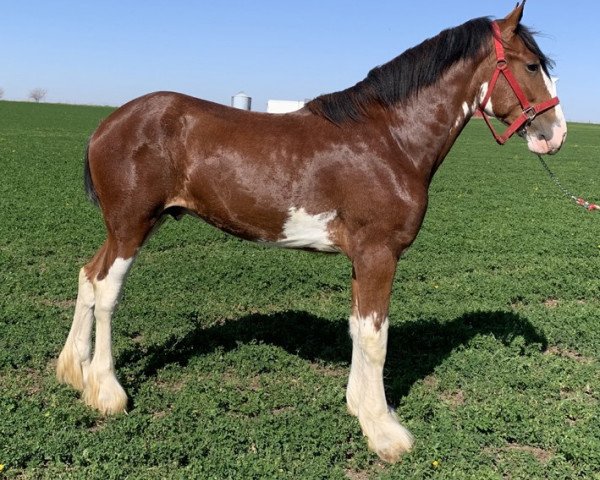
(529, 111)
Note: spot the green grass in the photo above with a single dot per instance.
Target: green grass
(236, 356)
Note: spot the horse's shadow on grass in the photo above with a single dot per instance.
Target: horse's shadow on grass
(415, 348)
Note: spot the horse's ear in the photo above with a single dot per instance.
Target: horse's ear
(514, 18)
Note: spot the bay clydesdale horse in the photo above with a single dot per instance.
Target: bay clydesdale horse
(349, 173)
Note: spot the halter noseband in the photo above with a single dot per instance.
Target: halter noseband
(529, 111)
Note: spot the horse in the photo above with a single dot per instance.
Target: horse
(348, 173)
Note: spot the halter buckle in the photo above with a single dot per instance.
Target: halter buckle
(530, 113)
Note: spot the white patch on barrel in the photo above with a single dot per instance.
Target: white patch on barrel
(302, 230)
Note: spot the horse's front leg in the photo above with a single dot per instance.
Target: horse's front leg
(373, 275)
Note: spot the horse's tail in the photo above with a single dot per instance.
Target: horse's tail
(87, 177)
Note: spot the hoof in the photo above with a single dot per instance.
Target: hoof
(104, 393)
(387, 438)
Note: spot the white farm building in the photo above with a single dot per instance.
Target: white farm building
(284, 106)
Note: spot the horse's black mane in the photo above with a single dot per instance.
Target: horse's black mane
(416, 68)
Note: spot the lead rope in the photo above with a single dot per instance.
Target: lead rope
(578, 200)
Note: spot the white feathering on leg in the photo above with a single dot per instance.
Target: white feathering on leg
(102, 389)
(366, 395)
(74, 360)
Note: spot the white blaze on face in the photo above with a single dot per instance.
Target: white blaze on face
(302, 230)
(558, 111)
(550, 141)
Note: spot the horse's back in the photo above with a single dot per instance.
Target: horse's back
(159, 111)
(168, 149)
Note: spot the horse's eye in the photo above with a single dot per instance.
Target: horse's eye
(533, 67)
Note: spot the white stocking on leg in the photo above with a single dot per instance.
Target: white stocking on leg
(353, 391)
(102, 389)
(386, 436)
(74, 360)
(373, 274)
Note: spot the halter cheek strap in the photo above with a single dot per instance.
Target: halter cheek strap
(529, 111)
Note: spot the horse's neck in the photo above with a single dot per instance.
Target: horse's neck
(426, 126)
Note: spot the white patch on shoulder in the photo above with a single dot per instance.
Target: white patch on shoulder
(467, 112)
(302, 230)
(461, 118)
(466, 109)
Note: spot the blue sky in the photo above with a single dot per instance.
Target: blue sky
(107, 52)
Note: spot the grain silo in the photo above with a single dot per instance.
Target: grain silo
(242, 101)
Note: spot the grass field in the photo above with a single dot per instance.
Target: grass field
(236, 356)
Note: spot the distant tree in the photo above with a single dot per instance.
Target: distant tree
(1, 92)
(37, 94)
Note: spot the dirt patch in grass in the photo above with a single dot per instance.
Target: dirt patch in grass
(541, 455)
(586, 395)
(454, 398)
(281, 410)
(173, 386)
(159, 414)
(358, 474)
(255, 384)
(329, 371)
(63, 304)
(430, 381)
(366, 474)
(570, 354)
(551, 303)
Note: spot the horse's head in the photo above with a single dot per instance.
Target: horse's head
(527, 102)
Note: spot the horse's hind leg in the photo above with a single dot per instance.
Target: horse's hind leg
(74, 360)
(100, 284)
(101, 388)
